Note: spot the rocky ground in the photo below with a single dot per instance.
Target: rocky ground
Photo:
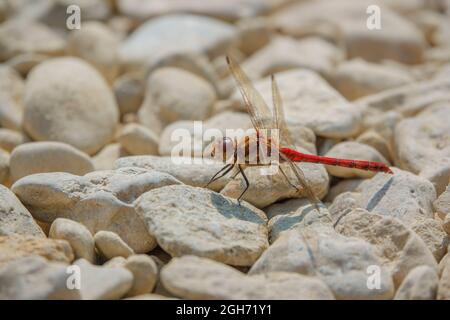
(89, 187)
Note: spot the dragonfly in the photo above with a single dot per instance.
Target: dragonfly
(264, 121)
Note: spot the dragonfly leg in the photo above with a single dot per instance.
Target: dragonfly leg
(247, 184)
(222, 172)
(287, 179)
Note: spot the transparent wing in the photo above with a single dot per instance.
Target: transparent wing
(258, 110)
(301, 179)
(280, 123)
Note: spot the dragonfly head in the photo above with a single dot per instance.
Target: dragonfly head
(222, 149)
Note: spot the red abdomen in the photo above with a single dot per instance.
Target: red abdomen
(347, 163)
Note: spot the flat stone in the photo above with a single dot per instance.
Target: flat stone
(189, 171)
(188, 220)
(284, 53)
(191, 277)
(402, 195)
(159, 38)
(48, 156)
(357, 78)
(409, 99)
(275, 187)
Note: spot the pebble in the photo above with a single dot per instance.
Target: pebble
(358, 78)
(444, 281)
(20, 36)
(103, 283)
(421, 283)
(101, 200)
(183, 169)
(378, 142)
(432, 233)
(110, 245)
(13, 247)
(399, 248)
(275, 187)
(159, 38)
(188, 220)
(144, 269)
(402, 195)
(343, 186)
(15, 218)
(284, 53)
(48, 156)
(81, 112)
(442, 204)
(93, 167)
(310, 101)
(409, 99)
(346, 21)
(180, 95)
(226, 10)
(9, 139)
(341, 262)
(98, 45)
(423, 139)
(106, 157)
(34, 278)
(4, 166)
(191, 277)
(129, 91)
(137, 139)
(11, 83)
(77, 235)
(357, 151)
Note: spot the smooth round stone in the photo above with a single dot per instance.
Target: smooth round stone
(39, 157)
(110, 245)
(78, 236)
(98, 45)
(67, 100)
(180, 95)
